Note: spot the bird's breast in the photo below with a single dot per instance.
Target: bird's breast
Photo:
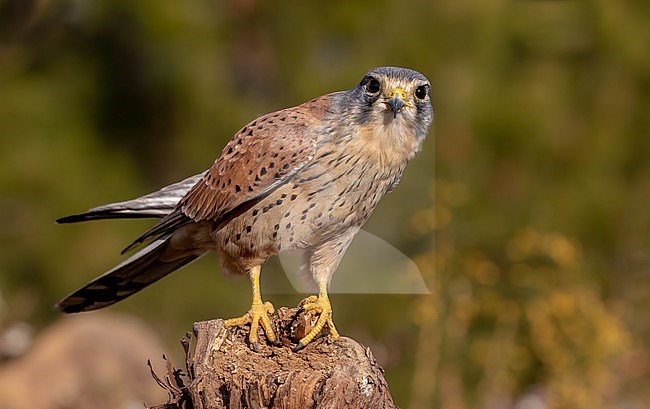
(338, 190)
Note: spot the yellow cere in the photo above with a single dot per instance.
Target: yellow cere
(399, 92)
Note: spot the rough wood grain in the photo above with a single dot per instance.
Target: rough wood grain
(223, 372)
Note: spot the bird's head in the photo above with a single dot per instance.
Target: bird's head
(393, 100)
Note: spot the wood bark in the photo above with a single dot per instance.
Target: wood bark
(223, 372)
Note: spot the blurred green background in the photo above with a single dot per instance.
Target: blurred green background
(528, 214)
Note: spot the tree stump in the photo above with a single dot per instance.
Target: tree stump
(223, 371)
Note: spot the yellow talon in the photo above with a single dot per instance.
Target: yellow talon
(321, 305)
(259, 313)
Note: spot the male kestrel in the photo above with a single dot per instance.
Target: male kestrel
(306, 177)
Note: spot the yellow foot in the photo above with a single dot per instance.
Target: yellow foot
(259, 313)
(321, 305)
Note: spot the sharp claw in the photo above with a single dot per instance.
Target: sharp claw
(298, 347)
(301, 309)
(276, 343)
(255, 347)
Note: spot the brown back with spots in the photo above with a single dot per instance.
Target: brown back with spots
(257, 160)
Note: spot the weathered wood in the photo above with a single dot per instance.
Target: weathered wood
(223, 372)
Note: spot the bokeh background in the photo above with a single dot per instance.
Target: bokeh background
(527, 212)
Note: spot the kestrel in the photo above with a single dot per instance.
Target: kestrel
(306, 177)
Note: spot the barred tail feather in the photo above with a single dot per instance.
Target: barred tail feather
(143, 268)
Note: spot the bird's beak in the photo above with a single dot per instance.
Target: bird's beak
(396, 100)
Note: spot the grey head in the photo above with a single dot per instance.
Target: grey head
(389, 97)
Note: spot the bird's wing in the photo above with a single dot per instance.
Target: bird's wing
(257, 160)
(262, 156)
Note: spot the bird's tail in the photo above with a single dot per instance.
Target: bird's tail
(143, 268)
(156, 204)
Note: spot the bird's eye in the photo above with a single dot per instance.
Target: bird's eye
(421, 92)
(373, 86)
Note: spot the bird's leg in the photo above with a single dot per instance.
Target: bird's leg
(321, 305)
(259, 313)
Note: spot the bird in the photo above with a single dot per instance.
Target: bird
(302, 178)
